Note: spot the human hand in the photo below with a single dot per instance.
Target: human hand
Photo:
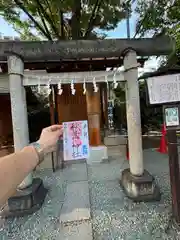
(49, 138)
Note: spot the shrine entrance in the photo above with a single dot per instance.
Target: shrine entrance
(72, 107)
(63, 61)
(80, 107)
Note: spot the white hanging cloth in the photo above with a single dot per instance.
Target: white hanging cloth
(84, 87)
(115, 84)
(95, 85)
(60, 90)
(39, 88)
(107, 83)
(73, 90)
(48, 88)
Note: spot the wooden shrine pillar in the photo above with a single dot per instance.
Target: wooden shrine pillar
(94, 115)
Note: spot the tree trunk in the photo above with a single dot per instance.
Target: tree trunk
(75, 21)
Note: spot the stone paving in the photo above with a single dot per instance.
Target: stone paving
(105, 215)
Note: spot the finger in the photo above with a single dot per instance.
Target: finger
(60, 133)
(55, 127)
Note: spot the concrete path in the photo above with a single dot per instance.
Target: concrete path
(75, 217)
(77, 231)
(76, 206)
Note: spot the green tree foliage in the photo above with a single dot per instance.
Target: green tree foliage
(158, 17)
(151, 117)
(62, 19)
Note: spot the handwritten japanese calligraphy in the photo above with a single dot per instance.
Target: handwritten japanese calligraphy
(76, 140)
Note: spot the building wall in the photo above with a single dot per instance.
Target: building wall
(5, 117)
(72, 108)
(4, 83)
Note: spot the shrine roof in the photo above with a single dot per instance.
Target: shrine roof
(95, 64)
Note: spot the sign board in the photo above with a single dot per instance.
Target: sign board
(75, 140)
(172, 116)
(164, 89)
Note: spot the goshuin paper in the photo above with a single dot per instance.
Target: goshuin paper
(75, 140)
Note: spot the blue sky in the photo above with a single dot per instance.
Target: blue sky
(119, 32)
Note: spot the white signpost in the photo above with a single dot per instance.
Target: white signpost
(75, 140)
(164, 89)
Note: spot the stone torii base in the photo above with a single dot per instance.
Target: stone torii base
(26, 201)
(140, 188)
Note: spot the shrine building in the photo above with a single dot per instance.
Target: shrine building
(77, 81)
(60, 76)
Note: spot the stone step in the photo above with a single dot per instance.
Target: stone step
(79, 231)
(75, 172)
(97, 154)
(114, 140)
(119, 151)
(76, 206)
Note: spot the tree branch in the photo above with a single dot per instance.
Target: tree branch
(47, 17)
(75, 21)
(142, 21)
(21, 6)
(51, 21)
(92, 18)
(62, 24)
(44, 23)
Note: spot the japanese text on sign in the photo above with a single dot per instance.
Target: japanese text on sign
(164, 89)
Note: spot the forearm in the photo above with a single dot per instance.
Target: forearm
(14, 168)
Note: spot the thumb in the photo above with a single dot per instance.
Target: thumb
(59, 132)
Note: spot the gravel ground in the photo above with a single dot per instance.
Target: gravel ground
(117, 217)
(113, 215)
(42, 225)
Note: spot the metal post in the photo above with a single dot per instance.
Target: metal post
(128, 24)
(174, 173)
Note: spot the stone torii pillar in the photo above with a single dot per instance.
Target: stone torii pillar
(18, 109)
(31, 193)
(137, 183)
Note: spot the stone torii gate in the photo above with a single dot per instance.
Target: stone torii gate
(138, 184)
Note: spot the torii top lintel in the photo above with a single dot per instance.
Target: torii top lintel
(70, 49)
